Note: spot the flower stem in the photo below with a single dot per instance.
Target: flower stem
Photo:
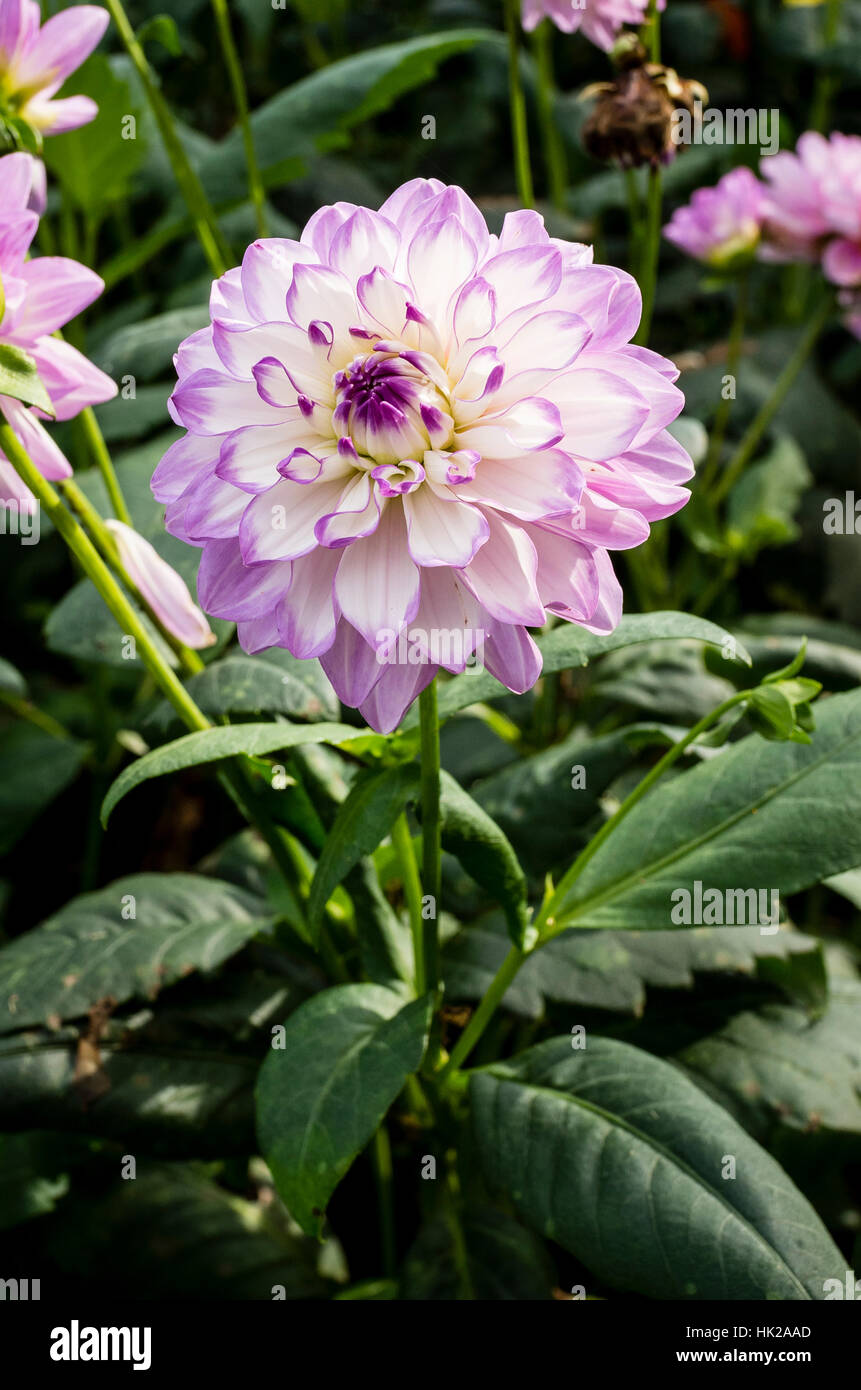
(545, 919)
(381, 1157)
(764, 416)
(402, 842)
(25, 709)
(240, 96)
(517, 101)
(203, 217)
(825, 88)
(98, 448)
(554, 150)
(431, 829)
(721, 420)
(635, 223)
(651, 251)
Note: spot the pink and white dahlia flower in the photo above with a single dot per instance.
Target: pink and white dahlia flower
(722, 223)
(35, 62)
(38, 297)
(402, 423)
(599, 20)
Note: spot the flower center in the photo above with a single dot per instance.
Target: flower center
(393, 404)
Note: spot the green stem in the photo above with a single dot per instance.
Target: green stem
(721, 420)
(25, 709)
(769, 409)
(381, 1157)
(517, 101)
(635, 223)
(431, 828)
(827, 83)
(515, 958)
(99, 450)
(651, 32)
(554, 150)
(651, 251)
(403, 844)
(203, 217)
(240, 97)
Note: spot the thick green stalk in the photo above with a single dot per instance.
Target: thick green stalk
(554, 151)
(431, 828)
(722, 414)
(769, 409)
(240, 96)
(403, 844)
(203, 217)
(517, 102)
(651, 247)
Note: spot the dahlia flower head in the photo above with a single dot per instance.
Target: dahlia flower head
(812, 205)
(402, 423)
(721, 224)
(599, 20)
(38, 297)
(36, 59)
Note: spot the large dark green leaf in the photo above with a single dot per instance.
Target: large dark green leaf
(94, 948)
(568, 645)
(619, 1157)
(346, 1056)
(34, 769)
(273, 682)
(491, 1256)
(762, 815)
(227, 741)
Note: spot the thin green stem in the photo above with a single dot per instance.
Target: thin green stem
(240, 96)
(381, 1157)
(484, 1013)
(554, 151)
(764, 416)
(722, 414)
(517, 102)
(827, 83)
(431, 828)
(25, 709)
(403, 844)
(651, 250)
(98, 448)
(203, 216)
(651, 32)
(635, 223)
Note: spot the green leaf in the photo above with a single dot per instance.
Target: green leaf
(34, 769)
(474, 838)
(776, 1069)
(363, 820)
(161, 28)
(762, 505)
(317, 111)
(620, 1159)
(19, 378)
(272, 682)
(32, 1177)
(569, 645)
(144, 349)
(761, 815)
(211, 745)
(346, 1056)
(184, 1239)
(94, 947)
(771, 713)
(95, 165)
(498, 1260)
(11, 680)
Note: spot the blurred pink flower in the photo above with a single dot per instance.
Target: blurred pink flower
(812, 205)
(40, 296)
(161, 586)
(722, 223)
(35, 62)
(599, 20)
(404, 423)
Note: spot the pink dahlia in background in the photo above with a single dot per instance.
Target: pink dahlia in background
(402, 423)
(35, 62)
(599, 20)
(722, 223)
(812, 205)
(38, 297)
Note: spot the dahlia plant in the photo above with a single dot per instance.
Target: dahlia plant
(418, 552)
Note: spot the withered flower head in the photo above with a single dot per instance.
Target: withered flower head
(631, 122)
